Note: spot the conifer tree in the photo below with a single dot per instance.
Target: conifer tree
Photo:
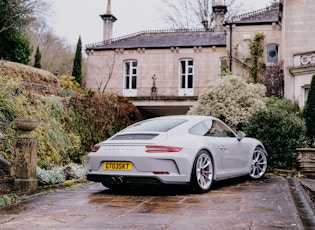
(38, 57)
(77, 63)
(309, 111)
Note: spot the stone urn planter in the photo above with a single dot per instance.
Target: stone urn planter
(26, 125)
(306, 158)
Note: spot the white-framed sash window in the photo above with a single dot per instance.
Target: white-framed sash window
(186, 77)
(130, 78)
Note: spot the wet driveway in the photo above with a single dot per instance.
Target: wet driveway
(232, 204)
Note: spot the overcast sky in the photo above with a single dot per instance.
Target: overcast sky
(73, 18)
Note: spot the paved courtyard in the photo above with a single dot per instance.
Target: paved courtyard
(232, 204)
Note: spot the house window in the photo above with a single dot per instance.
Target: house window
(305, 91)
(223, 66)
(272, 54)
(130, 78)
(186, 77)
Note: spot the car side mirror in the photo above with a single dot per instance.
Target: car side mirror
(240, 135)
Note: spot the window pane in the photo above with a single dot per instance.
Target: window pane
(127, 68)
(199, 129)
(127, 82)
(183, 81)
(130, 74)
(306, 91)
(219, 129)
(134, 82)
(186, 74)
(190, 81)
(159, 125)
(272, 53)
(183, 67)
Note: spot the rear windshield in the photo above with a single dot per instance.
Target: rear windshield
(134, 137)
(157, 125)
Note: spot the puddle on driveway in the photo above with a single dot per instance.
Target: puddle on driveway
(160, 207)
(98, 199)
(122, 203)
(167, 199)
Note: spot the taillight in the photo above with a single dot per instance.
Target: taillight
(95, 148)
(162, 149)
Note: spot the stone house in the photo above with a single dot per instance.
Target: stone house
(289, 42)
(163, 72)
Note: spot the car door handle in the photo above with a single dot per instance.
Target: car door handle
(223, 148)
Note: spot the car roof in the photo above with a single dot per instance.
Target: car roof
(187, 117)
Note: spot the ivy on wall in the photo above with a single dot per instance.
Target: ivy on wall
(253, 62)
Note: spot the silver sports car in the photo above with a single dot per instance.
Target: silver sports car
(191, 150)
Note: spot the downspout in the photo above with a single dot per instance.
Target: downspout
(230, 65)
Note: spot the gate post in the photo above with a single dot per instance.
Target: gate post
(24, 157)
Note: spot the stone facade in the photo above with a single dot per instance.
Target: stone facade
(163, 64)
(298, 42)
(287, 28)
(242, 34)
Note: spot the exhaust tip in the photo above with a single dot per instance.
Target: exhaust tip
(120, 180)
(112, 180)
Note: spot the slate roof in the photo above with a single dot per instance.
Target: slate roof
(163, 39)
(264, 16)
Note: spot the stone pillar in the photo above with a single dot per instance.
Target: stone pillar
(306, 157)
(24, 157)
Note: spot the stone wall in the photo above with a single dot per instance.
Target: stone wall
(298, 36)
(241, 35)
(161, 63)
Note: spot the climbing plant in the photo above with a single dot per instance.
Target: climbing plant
(253, 63)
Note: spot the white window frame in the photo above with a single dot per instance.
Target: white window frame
(272, 58)
(184, 74)
(130, 78)
(305, 92)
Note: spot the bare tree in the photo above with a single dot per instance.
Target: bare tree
(190, 14)
(105, 71)
(20, 14)
(274, 80)
(57, 55)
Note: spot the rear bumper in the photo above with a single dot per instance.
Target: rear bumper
(129, 180)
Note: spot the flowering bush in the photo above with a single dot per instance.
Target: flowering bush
(68, 82)
(231, 99)
(59, 175)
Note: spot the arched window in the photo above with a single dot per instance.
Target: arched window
(272, 54)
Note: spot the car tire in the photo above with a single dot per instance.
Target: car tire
(202, 172)
(259, 163)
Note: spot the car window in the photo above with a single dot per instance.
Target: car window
(199, 129)
(157, 125)
(219, 129)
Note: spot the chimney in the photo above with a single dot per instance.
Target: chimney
(219, 10)
(108, 19)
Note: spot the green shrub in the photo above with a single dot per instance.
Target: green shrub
(10, 199)
(281, 133)
(231, 99)
(309, 111)
(284, 104)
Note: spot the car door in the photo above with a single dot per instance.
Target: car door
(232, 152)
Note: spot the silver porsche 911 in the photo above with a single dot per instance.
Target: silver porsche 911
(191, 150)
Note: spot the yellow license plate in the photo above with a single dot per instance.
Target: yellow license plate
(122, 166)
